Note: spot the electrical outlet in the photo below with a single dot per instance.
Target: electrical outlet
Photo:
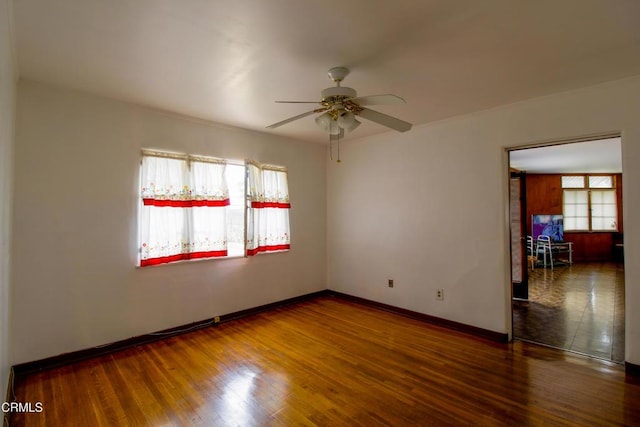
(391, 283)
(440, 294)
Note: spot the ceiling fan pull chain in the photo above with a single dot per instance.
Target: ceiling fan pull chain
(330, 148)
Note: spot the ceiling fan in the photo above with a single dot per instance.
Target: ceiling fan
(340, 106)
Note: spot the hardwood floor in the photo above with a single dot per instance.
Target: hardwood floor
(331, 362)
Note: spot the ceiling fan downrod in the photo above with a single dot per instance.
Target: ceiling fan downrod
(338, 74)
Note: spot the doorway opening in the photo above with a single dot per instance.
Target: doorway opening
(568, 247)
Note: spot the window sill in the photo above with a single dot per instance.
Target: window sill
(189, 261)
(589, 231)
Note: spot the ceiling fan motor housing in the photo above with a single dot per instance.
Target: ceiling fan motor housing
(333, 94)
(340, 106)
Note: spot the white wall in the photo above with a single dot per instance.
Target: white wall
(75, 225)
(427, 208)
(7, 114)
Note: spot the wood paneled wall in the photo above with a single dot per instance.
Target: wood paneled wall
(544, 196)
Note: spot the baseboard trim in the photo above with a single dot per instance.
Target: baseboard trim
(632, 369)
(80, 355)
(450, 324)
(77, 356)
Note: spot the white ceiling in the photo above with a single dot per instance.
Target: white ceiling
(227, 61)
(600, 156)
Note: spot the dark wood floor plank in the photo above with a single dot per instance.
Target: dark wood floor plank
(332, 362)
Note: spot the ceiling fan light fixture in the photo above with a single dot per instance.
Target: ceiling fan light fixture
(346, 120)
(324, 121)
(353, 126)
(334, 129)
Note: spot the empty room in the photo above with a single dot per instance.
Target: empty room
(298, 213)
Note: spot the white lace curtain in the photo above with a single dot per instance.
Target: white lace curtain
(182, 214)
(268, 215)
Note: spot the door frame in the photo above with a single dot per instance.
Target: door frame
(507, 223)
(520, 290)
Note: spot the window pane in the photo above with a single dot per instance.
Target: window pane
(576, 196)
(163, 232)
(207, 230)
(582, 223)
(208, 181)
(603, 196)
(597, 210)
(235, 230)
(604, 224)
(576, 210)
(601, 182)
(604, 211)
(575, 223)
(235, 211)
(573, 182)
(569, 197)
(582, 197)
(609, 197)
(164, 178)
(597, 223)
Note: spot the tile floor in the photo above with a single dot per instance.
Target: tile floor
(577, 308)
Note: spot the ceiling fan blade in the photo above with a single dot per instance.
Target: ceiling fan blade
(297, 102)
(385, 120)
(386, 99)
(290, 119)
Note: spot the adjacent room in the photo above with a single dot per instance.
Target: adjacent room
(298, 213)
(573, 286)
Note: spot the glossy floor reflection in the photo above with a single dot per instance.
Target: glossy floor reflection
(578, 308)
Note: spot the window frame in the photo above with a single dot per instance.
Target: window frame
(586, 187)
(244, 204)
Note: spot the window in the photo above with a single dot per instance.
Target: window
(195, 207)
(236, 209)
(589, 203)
(268, 219)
